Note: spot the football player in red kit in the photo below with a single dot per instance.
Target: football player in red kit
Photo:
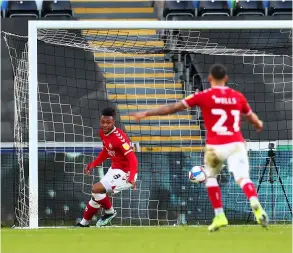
(121, 176)
(222, 108)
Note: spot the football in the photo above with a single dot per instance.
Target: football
(197, 174)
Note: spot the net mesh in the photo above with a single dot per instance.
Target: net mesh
(82, 72)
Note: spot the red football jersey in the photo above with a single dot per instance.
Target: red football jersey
(222, 108)
(117, 145)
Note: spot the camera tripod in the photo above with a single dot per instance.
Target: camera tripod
(271, 166)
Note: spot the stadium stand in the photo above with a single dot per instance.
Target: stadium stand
(56, 9)
(283, 8)
(22, 9)
(207, 8)
(179, 10)
(246, 7)
(140, 71)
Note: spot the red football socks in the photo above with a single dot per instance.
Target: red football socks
(105, 203)
(215, 196)
(249, 190)
(89, 212)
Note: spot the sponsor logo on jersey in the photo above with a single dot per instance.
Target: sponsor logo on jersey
(188, 97)
(110, 152)
(126, 146)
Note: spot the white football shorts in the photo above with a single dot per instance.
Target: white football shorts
(234, 153)
(115, 181)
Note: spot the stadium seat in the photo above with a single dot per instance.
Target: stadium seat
(56, 9)
(266, 5)
(231, 6)
(4, 5)
(178, 10)
(213, 7)
(195, 5)
(251, 8)
(281, 8)
(22, 9)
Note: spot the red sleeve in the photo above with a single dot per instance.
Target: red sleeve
(133, 164)
(101, 157)
(127, 150)
(193, 100)
(245, 108)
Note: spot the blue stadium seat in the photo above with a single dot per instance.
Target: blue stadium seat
(248, 7)
(231, 6)
(281, 7)
(22, 9)
(195, 5)
(213, 7)
(57, 9)
(178, 10)
(266, 5)
(4, 5)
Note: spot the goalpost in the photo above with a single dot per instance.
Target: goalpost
(234, 39)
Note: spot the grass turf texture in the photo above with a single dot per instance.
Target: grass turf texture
(233, 239)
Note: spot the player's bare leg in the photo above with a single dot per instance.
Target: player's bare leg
(213, 166)
(249, 190)
(99, 199)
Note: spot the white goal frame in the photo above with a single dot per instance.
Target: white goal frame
(34, 25)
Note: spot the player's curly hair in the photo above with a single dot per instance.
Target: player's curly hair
(218, 71)
(109, 112)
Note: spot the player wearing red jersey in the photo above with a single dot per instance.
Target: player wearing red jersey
(222, 108)
(121, 176)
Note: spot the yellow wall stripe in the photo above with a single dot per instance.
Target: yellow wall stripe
(172, 149)
(120, 55)
(140, 75)
(106, 32)
(165, 138)
(158, 118)
(161, 128)
(128, 43)
(137, 65)
(145, 86)
(144, 96)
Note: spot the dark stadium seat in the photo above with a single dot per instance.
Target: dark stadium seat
(281, 7)
(212, 7)
(178, 10)
(56, 9)
(21, 9)
(251, 8)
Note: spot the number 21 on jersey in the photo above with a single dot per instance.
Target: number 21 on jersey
(219, 125)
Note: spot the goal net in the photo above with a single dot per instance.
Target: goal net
(82, 70)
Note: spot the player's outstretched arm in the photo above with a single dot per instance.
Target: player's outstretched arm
(255, 121)
(163, 110)
(133, 164)
(101, 157)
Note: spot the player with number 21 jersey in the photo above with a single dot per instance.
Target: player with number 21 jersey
(222, 108)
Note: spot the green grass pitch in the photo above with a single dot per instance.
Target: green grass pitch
(232, 239)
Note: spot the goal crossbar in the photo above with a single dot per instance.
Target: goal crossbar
(106, 24)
